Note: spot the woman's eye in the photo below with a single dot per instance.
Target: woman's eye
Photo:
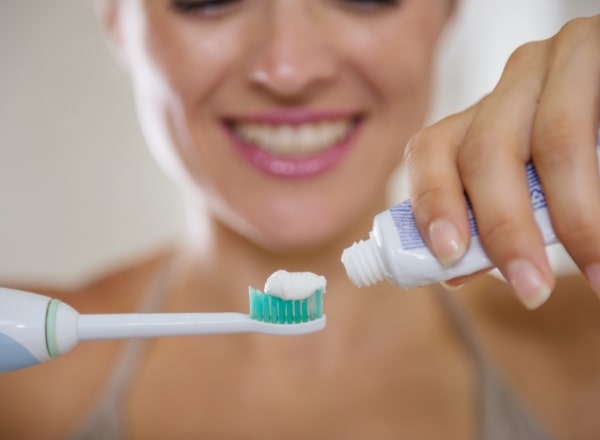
(202, 7)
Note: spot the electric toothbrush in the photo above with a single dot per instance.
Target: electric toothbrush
(36, 328)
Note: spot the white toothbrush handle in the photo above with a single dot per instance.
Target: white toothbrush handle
(150, 325)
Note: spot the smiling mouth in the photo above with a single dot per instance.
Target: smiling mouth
(294, 140)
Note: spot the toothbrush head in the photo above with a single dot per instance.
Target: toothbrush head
(275, 310)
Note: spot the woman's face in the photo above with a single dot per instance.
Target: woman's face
(287, 116)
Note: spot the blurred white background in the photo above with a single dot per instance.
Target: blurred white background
(79, 191)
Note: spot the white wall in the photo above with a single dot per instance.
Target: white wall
(77, 187)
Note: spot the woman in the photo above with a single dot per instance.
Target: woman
(282, 121)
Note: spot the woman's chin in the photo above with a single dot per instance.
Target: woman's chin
(297, 239)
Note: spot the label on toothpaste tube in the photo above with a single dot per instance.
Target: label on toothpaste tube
(411, 238)
(403, 217)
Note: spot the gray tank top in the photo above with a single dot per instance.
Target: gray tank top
(502, 416)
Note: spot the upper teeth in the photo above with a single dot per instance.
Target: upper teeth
(289, 139)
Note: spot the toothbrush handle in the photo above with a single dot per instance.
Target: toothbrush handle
(151, 325)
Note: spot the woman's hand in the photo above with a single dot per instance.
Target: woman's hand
(545, 108)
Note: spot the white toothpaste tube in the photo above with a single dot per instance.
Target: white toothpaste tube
(395, 250)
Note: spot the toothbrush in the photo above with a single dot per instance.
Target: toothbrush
(36, 328)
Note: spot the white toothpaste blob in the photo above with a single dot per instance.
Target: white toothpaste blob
(294, 285)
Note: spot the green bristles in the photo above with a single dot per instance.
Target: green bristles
(268, 308)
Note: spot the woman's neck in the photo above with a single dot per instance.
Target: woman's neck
(217, 264)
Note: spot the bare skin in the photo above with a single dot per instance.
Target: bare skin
(385, 373)
(389, 364)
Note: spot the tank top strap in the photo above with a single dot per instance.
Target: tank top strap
(501, 414)
(104, 421)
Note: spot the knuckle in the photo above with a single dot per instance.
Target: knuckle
(578, 33)
(476, 153)
(425, 190)
(499, 233)
(579, 229)
(421, 198)
(554, 141)
(445, 133)
(580, 28)
(426, 202)
(523, 54)
(417, 144)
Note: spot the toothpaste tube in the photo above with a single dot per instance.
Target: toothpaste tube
(395, 250)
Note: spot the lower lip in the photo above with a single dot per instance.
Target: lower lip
(294, 167)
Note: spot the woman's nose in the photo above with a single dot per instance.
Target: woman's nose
(294, 52)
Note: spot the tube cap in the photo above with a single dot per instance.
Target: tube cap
(363, 263)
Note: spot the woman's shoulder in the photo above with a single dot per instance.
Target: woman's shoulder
(116, 288)
(120, 288)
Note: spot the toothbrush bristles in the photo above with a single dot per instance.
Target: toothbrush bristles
(268, 308)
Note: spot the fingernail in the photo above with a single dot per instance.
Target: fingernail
(592, 273)
(446, 243)
(528, 283)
